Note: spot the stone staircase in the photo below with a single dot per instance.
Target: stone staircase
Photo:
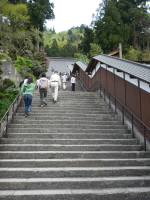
(75, 149)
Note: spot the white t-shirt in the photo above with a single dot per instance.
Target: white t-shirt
(55, 78)
(42, 81)
(64, 78)
(73, 79)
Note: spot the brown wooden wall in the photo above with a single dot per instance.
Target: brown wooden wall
(135, 99)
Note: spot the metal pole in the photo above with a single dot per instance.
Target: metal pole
(109, 101)
(132, 129)
(144, 139)
(122, 115)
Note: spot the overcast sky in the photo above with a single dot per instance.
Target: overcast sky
(69, 13)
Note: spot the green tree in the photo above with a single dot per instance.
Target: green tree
(87, 39)
(120, 21)
(39, 11)
(95, 49)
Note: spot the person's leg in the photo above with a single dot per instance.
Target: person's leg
(52, 91)
(44, 96)
(73, 86)
(41, 97)
(64, 85)
(56, 92)
(29, 103)
(25, 98)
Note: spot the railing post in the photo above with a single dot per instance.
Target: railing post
(109, 101)
(100, 91)
(7, 118)
(144, 139)
(132, 124)
(115, 106)
(123, 115)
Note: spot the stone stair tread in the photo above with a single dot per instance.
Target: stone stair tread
(75, 149)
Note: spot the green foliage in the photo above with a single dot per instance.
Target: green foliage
(88, 38)
(63, 43)
(39, 11)
(95, 49)
(81, 57)
(146, 55)
(6, 100)
(23, 65)
(121, 21)
(17, 15)
(28, 67)
(133, 54)
(7, 83)
(4, 56)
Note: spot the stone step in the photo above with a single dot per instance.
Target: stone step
(67, 130)
(66, 172)
(65, 122)
(74, 135)
(134, 193)
(73, 183)
(63, 113)
(43, 110)
(66, 117)
(73, 154)
(74, 162)
(58, 147)
(66, 126)
(66, 107)
(10, 141)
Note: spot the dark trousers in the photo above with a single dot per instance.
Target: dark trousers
(73, 87)
(27, 102)
(43, 95)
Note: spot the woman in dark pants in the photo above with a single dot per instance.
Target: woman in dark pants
(73, 82)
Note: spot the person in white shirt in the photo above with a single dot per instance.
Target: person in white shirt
(64, 81)
(42, 85)
(73, 82)
(55, 83)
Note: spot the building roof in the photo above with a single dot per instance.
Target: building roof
(141, 71)
(70, 67)
(78, 65)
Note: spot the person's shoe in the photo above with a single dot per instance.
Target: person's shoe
(42, 105)
(26, 115)
(55, 101)
(45, 104)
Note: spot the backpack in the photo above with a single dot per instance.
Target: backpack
(43, 83)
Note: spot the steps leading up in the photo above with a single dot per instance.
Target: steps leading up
(74, 149)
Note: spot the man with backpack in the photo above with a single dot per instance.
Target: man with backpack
(43, 88)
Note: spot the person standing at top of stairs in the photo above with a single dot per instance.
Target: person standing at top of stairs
(27, 90)
(73, 82)
(55, 83)
(64, 80)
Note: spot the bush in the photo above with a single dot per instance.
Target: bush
(81, 57)
(6, 100)
(133, 54)
(4, 56)
(8, 83)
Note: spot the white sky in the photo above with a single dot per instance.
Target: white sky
(69, 13)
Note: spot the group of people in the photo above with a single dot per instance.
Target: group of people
(43, 84)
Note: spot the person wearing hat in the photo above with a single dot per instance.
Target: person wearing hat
(55, 83)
